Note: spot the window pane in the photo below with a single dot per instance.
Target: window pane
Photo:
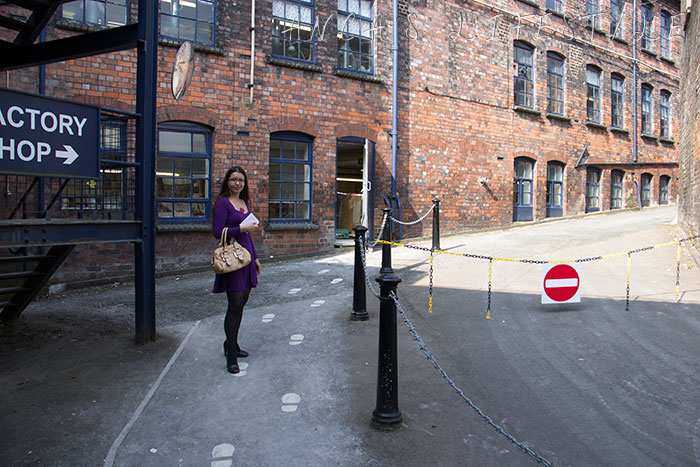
(287, 211)
(171, 141)
(182, 209)
(165, 209)
(168, 25)
(181, 188)
(303, 173)
(303, 210)
(273, 211)
(199, 188)
(275, 190)
(288, 171)
(304, 192)
(182, 167)
(275, 171)
(164, 187)
(198, 210)
(288, 150)
(164, 165)
(287, 191)
(200, 168)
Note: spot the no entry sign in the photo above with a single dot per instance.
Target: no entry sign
(44, 136)
(561, 283)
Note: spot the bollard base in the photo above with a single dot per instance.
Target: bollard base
(359, 315)
(386, 421)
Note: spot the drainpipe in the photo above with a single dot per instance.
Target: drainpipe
(394, 99)
(634, 82)
(251, 84)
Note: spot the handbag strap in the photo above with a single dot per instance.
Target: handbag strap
(224, 233)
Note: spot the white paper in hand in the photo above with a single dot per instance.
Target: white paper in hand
(250, 219)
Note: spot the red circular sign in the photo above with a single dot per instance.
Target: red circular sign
(561, 283)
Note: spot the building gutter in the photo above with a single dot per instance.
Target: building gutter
(635, 136)
(251, 84)
(394, 97)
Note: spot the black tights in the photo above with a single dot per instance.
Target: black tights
(234, 315)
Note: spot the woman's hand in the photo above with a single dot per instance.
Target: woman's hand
(258, 268)
(250, 228)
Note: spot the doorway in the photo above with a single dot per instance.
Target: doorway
(354, 195)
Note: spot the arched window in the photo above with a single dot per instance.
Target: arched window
(664, 182)
(617, 101)
(555, 83)
(593, 94)
(523, 83)
(555, 189)
(522, 189)
(183, 172)
(616, 178)
(593, 189)
(291, 156)
(646, 109)
(646, 189)
(665, 114)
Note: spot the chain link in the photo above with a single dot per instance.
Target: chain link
(464, 397)
(629, 266)
(381, 232)
(364, 266)
(488, 304)
(417, 220)
(430, 288)
(678, 268)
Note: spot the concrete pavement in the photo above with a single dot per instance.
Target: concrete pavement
(586, 384)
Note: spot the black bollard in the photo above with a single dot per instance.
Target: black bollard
(386, 415)
(436, 224)
(359, 296)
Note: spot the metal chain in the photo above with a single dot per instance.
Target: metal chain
(488, 304)
(417, 220)
(364, 266)
(629, 266)
(678, 268)
(430, 288)
(381, 232)
(466, 399)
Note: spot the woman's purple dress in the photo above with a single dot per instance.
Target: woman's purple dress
(225, 215)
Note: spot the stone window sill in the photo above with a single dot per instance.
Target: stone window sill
(597, 126)
(530, 2)
(357, 75)
(620, 40)
(621, 131)
(293, 64)
(667, 140)
(554, 12)
(650, 52)
(562, 118)
(163, 226)
(526, 110)
(650, 137)
(287, 226)
(668, 60)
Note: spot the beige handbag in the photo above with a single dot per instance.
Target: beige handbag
(227, 258)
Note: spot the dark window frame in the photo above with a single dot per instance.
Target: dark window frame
(284, 44)
(647, 23)
(593, 176)
(665, 114)
(617, 100)
(617, 178)
(645, 187)
(554, 196)
(593, 101)
(178, 156)
(87, 8)
(555, 83)
(524, 79)
(665, 34)
(178, 18)
(346, 54)
(593, 13)
(664, 185)
(295, 138)
(523, 189)
(616, 18)
(646, 109)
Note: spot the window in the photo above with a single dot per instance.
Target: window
(592, 189)
(101, 12)
(616, 18)
(664, 181)
(522, 189)
(554, 5)
(593, 94)
(191, 20)
(665, 39)
(555, 181)
(523, 80)
(647, 20)
(555, 83)
(183, 172)
(616, 178)
(617, 101)
(355, 36)
(646, 109)
(593, 13)
(292, 29)
(107, 194)
(664, 115)
(290, 177)
(646, 189)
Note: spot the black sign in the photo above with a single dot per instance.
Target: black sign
(45, 136)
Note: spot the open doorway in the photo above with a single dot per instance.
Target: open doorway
(353, 181)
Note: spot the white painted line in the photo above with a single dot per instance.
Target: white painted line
(268, 317)
(318, 303)
(222, 450)
(291, 398)
(335, 281)
(242, 366)
(296, 339)
(109, 461)
(293, 291)
(323, 271)
(553, 283)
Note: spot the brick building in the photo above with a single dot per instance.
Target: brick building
(508, 111)
(689, 144)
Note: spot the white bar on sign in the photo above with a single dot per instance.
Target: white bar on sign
(554, 283)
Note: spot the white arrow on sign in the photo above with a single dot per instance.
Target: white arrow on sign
(69, 154)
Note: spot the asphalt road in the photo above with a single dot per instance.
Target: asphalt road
(583, 384)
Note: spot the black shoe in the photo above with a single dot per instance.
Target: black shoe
(232, 364)
(242, 353)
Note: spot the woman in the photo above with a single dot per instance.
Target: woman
(232, 206)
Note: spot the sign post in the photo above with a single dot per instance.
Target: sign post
(45, 136)
(561, 283)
